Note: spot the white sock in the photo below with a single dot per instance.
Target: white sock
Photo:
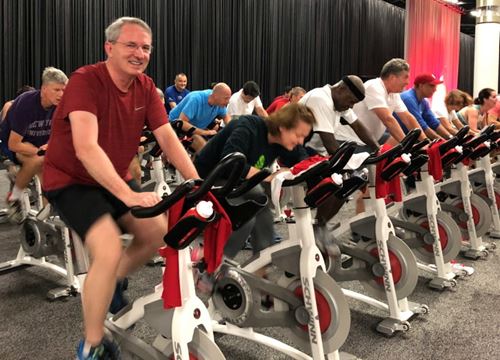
(16, 193)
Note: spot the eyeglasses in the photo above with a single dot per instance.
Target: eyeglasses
(132, 46)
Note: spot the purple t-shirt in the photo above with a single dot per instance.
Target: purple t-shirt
(28, 118)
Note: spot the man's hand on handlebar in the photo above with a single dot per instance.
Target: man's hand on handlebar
(143, 199)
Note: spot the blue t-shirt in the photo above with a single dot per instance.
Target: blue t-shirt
(172, 95)
(29, 119)
(196, 108)
(420, 109)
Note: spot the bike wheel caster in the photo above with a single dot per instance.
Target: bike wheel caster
(424, 309)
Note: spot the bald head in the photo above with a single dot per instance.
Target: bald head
(221, 94)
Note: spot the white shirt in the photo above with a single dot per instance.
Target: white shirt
(320, 102)
(237, 106)
(442, 112)
(376, 96)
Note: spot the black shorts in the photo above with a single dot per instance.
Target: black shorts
(80, 206)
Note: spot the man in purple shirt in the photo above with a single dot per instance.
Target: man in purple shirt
(26, 130)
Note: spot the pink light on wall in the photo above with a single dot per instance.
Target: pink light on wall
(433, 40)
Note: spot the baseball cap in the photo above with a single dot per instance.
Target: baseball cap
(426, 79)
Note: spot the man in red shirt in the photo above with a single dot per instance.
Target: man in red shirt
(95, 134)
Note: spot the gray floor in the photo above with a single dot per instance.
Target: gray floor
(464, 324)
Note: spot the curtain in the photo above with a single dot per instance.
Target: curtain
(466, 68)
(433, 40)
(273, 42)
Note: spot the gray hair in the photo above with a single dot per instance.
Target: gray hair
(394, 67)
(113, 31)
(51, 74)
(297, 90)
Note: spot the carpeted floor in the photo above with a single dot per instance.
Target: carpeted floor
(462, 324)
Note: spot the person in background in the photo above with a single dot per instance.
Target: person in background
(261, 140)
(199, 110)
(175, 93)
(283, 98)
(8, 104)
(476, 115)
(294, 96)
(25, 132)
(447, 112)
(246, 100)
(415, 99)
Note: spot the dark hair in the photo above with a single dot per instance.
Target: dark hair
(288, 117)
(23, 89)
(483, 94)
(251, 88)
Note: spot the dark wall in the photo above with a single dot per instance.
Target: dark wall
(274, 42)
(466, 64)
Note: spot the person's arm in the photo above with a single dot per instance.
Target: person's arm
(226, 119)
(390, 123)
(173, 149)
(447, 125)
(472, 119)
(261, 111)
(17, 145)
(187, 126)
(457, 123)
(411, 123)
(433, 123)
(84, 131)
(431, 134)
(5, 109)
(365, 135)
(329, 142)
(441, 130)
(172, 104)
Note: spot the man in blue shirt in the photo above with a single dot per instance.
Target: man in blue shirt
(424, 86)
(175, 93)
(199, 109)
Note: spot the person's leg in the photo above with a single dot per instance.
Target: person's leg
(105, 247)
(261, 236)
(198, 143)
(148, 238)
(237, 239)
(328, 209)
(31, 166)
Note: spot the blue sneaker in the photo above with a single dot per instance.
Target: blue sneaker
(107, 350)
(119, 300)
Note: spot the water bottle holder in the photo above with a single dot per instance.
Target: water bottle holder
(186, 231)
(416, 163)
(461, 157)
(321, 192)
(350, 186)
(393, 169)
(479, 152)
(241, 211)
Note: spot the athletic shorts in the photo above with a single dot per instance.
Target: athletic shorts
(9, 154)
(80, 206)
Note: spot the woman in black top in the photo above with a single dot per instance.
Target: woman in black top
(280, 136)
